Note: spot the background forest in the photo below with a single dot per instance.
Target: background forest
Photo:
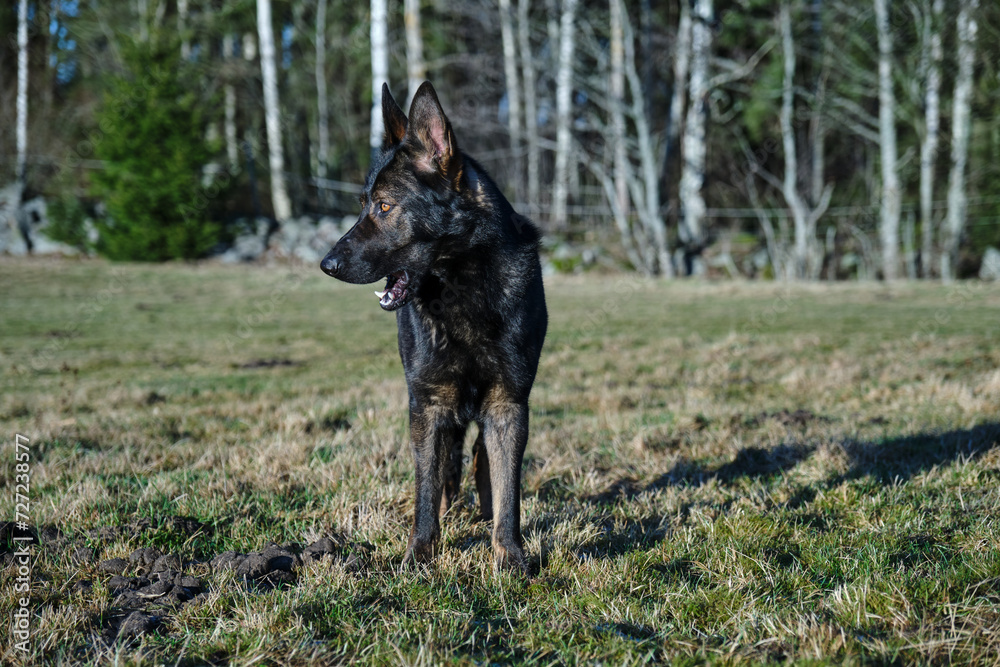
(806, 139)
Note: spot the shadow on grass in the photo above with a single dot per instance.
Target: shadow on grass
(899, 459)
(889, 461)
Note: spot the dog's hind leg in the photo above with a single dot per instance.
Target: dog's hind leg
(481, 470)
(451, 469)
(505, 435)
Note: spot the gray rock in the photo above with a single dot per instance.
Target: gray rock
(11, 239)
(245, 248)
(990, 268)
(307, 254)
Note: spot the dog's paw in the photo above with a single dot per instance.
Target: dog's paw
(419, 553)
(512, 559)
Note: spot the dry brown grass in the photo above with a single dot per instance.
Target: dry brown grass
(732, 472)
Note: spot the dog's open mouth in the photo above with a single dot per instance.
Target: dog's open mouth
(396, 293)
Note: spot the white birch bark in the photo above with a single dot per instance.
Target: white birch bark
(932, 123)
(891, 201)
(564, 93)
(960, 131)
(143, 6)
(789, 187)
(21, 103)
(817, 126)
(229, 95)
(182, 20)
(678, 98)
(693, 144)
(416, 69)
(806, 260)
(272, 119)
(530, 105)
(513, 91)
(616, 90)
(322, 100)
(647, 198)
(380, 69)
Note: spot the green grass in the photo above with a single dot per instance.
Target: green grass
(735, 473)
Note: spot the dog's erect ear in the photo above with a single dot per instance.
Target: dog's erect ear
(393, 119)
(430, 132)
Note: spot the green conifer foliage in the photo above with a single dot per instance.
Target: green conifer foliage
(152, 142)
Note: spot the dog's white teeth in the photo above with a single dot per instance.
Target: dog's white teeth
(380, 294)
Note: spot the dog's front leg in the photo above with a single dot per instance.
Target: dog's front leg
(432, 431)
(505, 434)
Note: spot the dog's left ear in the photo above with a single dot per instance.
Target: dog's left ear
(393, 119)
(430, 132)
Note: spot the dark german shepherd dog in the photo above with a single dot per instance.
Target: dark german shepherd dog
(462, 274)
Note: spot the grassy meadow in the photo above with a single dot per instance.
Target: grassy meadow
(730, 473)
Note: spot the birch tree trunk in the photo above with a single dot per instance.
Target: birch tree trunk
(960, 130)
(647, 199)
(513, 92)
(817, 126)
(272, 118)
(682, 62)
(932, 123)
(693, 145)
(182, 20)
(564, 94)
(807, 261)
(789, 185)
(322, 101)
(22, 101)
(530, 106)
(143, 6)
(229, 95)
(616, 90)
(380, 70)
(891, 193)
(416, 70)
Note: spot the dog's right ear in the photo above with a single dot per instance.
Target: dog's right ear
(437, 151)
(393, 119)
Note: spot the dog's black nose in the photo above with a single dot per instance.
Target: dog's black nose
(330, 265)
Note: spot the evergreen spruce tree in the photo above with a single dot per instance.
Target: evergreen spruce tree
(152, 141)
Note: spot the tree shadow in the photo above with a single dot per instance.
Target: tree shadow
(887, 461)
(899, 459)
(750, 463)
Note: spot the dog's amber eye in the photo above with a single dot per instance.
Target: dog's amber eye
(385, 207)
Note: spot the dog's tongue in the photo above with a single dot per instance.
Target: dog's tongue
(395, 289)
